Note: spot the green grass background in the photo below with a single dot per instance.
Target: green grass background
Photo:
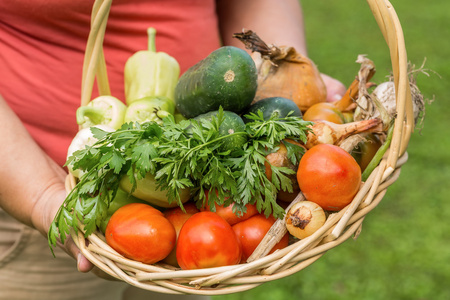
(403, 251)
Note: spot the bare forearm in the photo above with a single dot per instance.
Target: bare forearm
(276, 22)
(31, 184)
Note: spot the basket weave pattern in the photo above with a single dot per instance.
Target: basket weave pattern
(339, 226)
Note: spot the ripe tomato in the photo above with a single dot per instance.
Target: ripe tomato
(206, 240)
(251, 231)
(178, 217)
(324, 111)
(329, 176)
(140, 232)
(227, 213)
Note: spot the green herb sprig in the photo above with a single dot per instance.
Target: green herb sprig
(189, 154)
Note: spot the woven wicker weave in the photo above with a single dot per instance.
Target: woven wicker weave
(338, 228)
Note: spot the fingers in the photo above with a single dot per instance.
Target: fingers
(83, 264)
(335, 88)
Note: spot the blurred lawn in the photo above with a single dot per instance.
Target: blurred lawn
(403, 251)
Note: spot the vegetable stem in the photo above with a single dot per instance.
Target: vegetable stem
(379, 155)
(96, 114)
(365, 73)
(151, 32)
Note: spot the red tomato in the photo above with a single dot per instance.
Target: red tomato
(206, 240)
(329, 176)
(178, 217)
(140, 232)
(227, 213)
(250, 233)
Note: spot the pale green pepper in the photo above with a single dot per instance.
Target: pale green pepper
(103, 110)
(147, 190)
(149, 73)
(149, 109)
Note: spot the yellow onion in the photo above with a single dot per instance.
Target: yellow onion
(285, 73)
(304, 218)
(324, 132)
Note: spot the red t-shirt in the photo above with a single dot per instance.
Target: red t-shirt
(42, 44)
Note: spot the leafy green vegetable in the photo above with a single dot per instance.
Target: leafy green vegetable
(180, 158)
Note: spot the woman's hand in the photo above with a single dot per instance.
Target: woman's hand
(44, 212)
(46, 208)
(31, 183)
(335, 88)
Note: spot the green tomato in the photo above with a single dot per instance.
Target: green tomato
(103, 110)
(122, 198)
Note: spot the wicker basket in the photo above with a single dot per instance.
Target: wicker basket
(338, 228)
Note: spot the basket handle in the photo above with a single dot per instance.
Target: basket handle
(391, 29)
(94, 65)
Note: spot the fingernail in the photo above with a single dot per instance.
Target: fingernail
(79, 258)
(337, 97)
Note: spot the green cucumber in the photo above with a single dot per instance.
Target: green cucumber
(278, 106)
(227, 77)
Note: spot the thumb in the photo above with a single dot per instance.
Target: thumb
(83, 264)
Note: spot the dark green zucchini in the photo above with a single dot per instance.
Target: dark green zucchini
(227, 78)
(278, 106)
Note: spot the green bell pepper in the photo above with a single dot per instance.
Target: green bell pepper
(149, 73)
